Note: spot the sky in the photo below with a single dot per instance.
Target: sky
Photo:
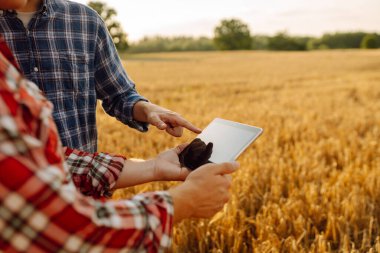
(141, 18)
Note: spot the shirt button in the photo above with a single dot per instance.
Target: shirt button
(35, 69)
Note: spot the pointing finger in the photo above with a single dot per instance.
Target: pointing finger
(157, 122)
(179, 121)
(175, 131)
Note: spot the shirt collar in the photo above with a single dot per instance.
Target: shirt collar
(45, 7)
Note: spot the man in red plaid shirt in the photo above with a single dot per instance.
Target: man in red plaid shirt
(49, 195)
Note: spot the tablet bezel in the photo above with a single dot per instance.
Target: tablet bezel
(256, 130)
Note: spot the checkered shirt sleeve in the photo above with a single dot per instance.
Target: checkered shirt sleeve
(113, 86)
(41, 210)
(94, 174)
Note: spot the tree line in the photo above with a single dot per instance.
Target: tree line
(279, 42)
(233, 34)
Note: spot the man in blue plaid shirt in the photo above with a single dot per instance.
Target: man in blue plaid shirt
(65, 48)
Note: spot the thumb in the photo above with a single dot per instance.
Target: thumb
(226, 168)
(157, 122)
(180, 148)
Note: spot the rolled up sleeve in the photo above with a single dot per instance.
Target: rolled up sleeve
(113, 85)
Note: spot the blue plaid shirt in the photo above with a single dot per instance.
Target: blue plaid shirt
(67, 51)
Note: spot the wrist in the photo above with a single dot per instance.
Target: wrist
(135, 171)
(183, 202)
(150, 166)
(140, 111)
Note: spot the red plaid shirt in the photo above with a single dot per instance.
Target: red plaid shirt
(40, 207)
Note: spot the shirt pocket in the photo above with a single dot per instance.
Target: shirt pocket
(66, 73)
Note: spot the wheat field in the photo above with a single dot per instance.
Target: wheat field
(310, 183)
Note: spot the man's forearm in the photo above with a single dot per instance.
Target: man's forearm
(135, 172)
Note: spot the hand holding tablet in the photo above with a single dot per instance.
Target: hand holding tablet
(226, 139)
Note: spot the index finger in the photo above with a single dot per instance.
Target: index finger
(186, 124)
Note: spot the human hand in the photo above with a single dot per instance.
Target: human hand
(196, 154)
(162, 118)
(204, 192)
(167, 166)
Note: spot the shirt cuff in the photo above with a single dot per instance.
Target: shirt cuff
(94, 174)
(138, 125)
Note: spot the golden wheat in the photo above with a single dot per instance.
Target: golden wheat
(311, 182)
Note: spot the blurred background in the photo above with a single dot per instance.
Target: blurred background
(171, 25)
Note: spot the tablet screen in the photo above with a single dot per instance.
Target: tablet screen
(230, 139)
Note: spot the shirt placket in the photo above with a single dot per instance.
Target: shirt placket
(28, 31)
(33, 64)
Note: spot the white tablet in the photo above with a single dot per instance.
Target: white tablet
(229, 139)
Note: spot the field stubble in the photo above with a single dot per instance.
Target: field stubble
(310, 183)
